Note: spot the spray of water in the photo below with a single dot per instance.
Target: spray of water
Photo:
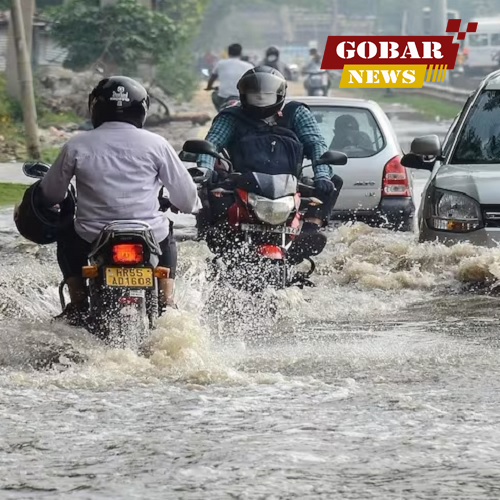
(360, 278)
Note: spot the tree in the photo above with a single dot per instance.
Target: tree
(117, 36)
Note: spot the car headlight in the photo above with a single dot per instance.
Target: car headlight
(455, 212)
(272, 212)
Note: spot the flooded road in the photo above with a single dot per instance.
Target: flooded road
(380, 382)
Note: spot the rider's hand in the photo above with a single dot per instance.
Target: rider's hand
(324, 186)
(201, 175)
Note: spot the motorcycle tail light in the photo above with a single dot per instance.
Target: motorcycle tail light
(271, 252)
(128, 253)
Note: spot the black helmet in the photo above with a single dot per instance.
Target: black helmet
(40, 224)
(262, 91)
(272, 52)
(118, 99)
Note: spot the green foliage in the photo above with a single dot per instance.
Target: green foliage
(118, 36)
(10, 194)
(176, 75)
(49, 154)
(10, 110)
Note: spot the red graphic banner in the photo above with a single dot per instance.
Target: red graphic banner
(360, 50)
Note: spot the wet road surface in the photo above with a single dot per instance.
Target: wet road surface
(380, 382)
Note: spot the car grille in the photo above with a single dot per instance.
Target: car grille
(491, 215)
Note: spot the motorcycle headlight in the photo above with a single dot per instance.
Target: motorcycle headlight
(455, 212)
(272, 212)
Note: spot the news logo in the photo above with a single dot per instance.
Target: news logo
(394, 62)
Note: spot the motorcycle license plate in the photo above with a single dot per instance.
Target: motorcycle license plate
(254, 228)
(129, 277)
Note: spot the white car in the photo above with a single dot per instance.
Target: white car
(461, 200)
(377, 189)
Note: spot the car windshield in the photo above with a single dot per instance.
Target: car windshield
(354, 131)
(479, 141)
(478, 40)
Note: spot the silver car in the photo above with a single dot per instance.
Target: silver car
(461, 200)
(377, 188)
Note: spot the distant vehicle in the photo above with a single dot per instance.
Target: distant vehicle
(317, 82)
(482, 48)
(377, 188)
(461, 200)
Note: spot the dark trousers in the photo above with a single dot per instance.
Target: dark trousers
(73, 251)
(324, 211)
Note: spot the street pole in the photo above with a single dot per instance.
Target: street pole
(25, 81)
(439, 16)
(11, 75)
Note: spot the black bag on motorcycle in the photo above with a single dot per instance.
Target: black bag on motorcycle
(39, 223)
(264, 148)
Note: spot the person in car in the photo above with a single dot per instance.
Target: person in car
(348, 135)
(119, 169)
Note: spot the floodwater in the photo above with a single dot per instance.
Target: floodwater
(383, 381)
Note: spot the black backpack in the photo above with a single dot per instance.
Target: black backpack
(264, 148)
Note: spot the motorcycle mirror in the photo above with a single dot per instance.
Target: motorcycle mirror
(188, 157)
(35, 169)
(200, 147)
(332, 158)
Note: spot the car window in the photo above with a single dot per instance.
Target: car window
(478, 40)
(354, 131)
(495, 40)
(479, 140)
(455, 127)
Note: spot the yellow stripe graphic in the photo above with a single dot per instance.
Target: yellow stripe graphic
(436, 71)
(440, 73)
(429, 73)
(444, 73)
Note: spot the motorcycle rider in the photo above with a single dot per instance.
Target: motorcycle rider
(119, 169)
(272, 59)
(262, 95)
(314, 66)
(228, 72)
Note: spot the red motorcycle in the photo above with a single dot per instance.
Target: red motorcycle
(252, 222)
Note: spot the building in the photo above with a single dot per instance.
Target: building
(45, 52)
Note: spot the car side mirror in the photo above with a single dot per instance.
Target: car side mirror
(427, 145)
(332, 158)
(201, 147)
(412, 160)
(35, 169)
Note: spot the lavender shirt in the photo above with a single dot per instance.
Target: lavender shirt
(119, 170)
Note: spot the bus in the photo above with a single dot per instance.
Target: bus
(482, 49)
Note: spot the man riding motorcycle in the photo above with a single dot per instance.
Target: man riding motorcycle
(228, 72)
(272, 59)
(119, 169)
(262, 95)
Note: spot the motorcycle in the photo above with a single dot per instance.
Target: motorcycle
(256, 222)
(222, 102)
(122, 277)
(317, 83)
